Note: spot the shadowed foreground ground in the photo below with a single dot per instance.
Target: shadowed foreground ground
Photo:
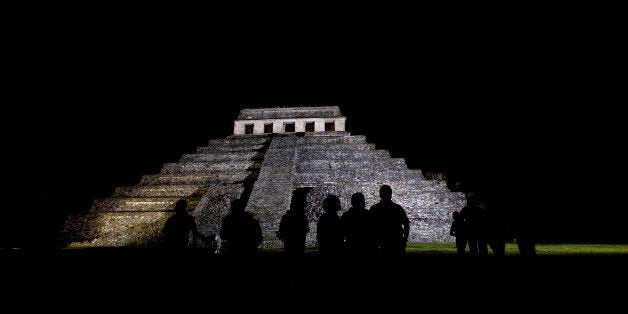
(122, 273)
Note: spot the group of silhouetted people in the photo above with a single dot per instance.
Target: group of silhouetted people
(383, 229)
(480, 229)
(471, 228)
(240, 232)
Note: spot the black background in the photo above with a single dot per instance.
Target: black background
(520, 109)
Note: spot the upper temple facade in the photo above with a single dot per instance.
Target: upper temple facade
(273, 154)
(287, 120)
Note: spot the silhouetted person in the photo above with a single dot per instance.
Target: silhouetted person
(495, 232)
(177, 230)
(294, 226)
(475, 225)
(524, 233)
(458, 230)
(392, 224)
(358, 229)
(240, 231)
(328, 228)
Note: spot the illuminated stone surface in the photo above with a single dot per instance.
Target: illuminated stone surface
(208, 180)
(341, 164)
(320, 119)
(327, 162)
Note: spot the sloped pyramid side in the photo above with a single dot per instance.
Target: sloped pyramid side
(342, 164)
(208, 179)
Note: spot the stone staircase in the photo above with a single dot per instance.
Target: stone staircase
(208, 179)
(342, 164)
(264, 170)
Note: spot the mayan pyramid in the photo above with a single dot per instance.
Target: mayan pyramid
(272, 152)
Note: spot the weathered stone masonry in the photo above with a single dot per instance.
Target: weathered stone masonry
(268, 166)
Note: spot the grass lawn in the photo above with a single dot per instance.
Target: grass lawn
(542, 249)
(449, 249)
(549, 249)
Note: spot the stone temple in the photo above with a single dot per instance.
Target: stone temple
(272, 152)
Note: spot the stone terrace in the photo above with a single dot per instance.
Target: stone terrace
(264, 169)
(208, 179)
(342, 164)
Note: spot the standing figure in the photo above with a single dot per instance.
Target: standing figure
(177, 230)
(392, 224)
(495, 231)
(294, 225)
(475, 224)
(329, 229)
(458, 230)
(358, 229)
(240, 231)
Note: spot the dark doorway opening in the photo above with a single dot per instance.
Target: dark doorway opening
(309, 127)
(330, 126)
(248, 129)
(289, 127)
(268, 128)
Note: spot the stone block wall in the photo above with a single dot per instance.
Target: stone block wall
(324, 162)
(342, 164)
(208, 179)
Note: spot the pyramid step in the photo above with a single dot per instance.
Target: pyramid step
(241, 140)
(413, 185)
(318, 154)
(333, 147)
(254, 138)
(408, 185)
(230, 149)
(116, 229)
(361, 175)
(175, 190)
(372, 172)
(327, 140)
(161, 190)
(332, 134)
(313, 134)
(139, 204)
(327, 134)
(222, 157)
(351, 161)
(209, 167)
(236, 144)
(225, 177)
(339, 164)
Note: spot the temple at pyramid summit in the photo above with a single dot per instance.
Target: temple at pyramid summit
(272, 153)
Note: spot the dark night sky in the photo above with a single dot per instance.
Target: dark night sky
(523, 114)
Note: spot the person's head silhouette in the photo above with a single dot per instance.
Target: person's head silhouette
(181, 207)
(237, 206)
(331, 204)
(299, 200)
(357, 200)
(456, 215)
(385, 192)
